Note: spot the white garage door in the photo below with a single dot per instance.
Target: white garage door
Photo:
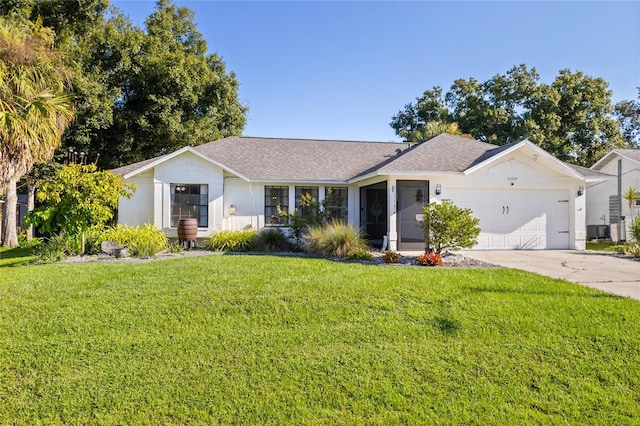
(517, 219)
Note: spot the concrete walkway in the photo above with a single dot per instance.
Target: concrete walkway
(603, 271)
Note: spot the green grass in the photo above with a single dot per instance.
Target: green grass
(15, 257)
(278, 340)
(606, 246)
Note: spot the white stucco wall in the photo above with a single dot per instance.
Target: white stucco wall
(151, 202)
(248, 200)
(139, 209)
(518, 174)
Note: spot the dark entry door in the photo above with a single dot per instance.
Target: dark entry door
(373, 212)
(413, 195)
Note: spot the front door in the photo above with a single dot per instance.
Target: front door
(373, 212)
(413, 195)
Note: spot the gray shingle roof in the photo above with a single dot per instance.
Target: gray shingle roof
(634, 154)
(298, 159)
(135, 166)
(586, 172)
(444, 153)
(310, 160)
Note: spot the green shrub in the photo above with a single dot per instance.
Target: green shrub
(77, 197)
(58, 247)
(271, 240)
(32, 243)
(334, 238)
(175, 247)
(142, 241)
(391, 257)
(449, 227)
(634, 228)
(632, 250)
(92, 240)
(232, 240)
(360, 254)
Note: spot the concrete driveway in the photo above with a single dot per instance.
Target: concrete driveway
(606, 272)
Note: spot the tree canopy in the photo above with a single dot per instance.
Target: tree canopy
(139, 93)
(572, 118)
(628, 112)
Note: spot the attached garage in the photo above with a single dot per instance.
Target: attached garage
(518, 219)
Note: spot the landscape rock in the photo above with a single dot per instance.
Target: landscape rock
(109, 247)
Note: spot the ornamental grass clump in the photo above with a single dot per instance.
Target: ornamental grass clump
(271, 240)
(242, 240)
(334, 238)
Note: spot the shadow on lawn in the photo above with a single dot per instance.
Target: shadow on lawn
(16, 256)
(595, 294)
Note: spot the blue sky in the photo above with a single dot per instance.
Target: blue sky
(341, 70)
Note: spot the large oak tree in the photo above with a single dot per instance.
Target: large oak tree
(139, 92)
(572, 118)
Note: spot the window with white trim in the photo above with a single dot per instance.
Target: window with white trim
(275, 197)
(336, 201)
(307, 201)
(190, 201)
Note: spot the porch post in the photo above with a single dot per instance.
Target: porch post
(392, 219)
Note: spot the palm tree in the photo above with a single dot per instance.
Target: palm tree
(631, 195)
(34, 109)
(432, 129)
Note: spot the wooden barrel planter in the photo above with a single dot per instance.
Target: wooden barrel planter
(188, 232)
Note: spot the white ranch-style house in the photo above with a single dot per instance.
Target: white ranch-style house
(524, 197)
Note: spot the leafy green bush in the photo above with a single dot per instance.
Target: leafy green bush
(360, 254)
(32, 243)
(142, 241)
(333, 238)
(634, 228)
(175, 247)
(77, 197)
(271, 240)
(58, 247)
(92, 240)
(449, 227)
(232, 240)
(391, 257)
(632, 249)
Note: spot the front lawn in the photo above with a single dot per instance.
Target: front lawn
(15, 257)
(276, 340)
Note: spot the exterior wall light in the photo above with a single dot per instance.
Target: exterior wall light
(232, 210)
(580, 190)
(438, 189)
